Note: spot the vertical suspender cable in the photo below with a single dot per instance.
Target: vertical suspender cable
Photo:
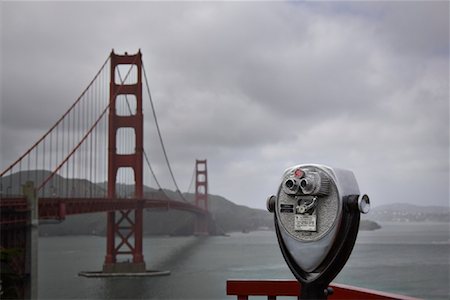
(28, 167)
(63, 140)
(68, 147)
(57, 122)
(97, 99)
(79, 145)
(36, 162)
(105, 158)
(43, 161)
(90, 145)
(20, 176)
(74, 162)
(57, 156)
(83, 147)
(8, 189)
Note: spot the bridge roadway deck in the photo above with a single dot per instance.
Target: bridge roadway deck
(12, 209)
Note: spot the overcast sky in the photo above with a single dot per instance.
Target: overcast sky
(254, 87)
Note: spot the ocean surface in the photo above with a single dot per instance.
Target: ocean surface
(406, 258)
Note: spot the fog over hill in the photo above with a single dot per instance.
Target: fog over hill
(57, 185)
(226, 215)
(404, 212)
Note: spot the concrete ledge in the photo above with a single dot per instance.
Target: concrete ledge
(142, 274)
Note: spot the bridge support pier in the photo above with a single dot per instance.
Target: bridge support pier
(201, 226)
(124, 228)
(31, 254)
(19, 246)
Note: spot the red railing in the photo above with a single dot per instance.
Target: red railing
(274, 288)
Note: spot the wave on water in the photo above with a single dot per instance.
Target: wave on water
(441, 242)
(258, 268)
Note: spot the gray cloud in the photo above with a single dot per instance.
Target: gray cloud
(253, 87)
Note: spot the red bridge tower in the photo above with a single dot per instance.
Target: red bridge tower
(125, 224)
(201, 196)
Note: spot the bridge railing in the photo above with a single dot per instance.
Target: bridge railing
(282, 288)
(14, 210)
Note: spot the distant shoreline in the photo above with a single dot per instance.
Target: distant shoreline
(367, 225)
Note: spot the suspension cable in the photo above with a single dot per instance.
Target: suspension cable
(59, 120)
(154, 176)
(160, 136)
(192, 181)
(83, 139)
(143, 150)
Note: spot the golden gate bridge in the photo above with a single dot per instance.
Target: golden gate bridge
(100, 138)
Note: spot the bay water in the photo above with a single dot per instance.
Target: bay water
(405, 258)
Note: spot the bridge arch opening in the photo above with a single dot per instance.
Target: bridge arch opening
(126, 140)
(201, 177)
(125, 183)
(126, 105)
(121, 72)
(201, 167)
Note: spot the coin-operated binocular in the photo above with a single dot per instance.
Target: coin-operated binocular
(316, 213)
